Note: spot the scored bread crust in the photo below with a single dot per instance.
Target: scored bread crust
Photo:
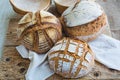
(71, 58)
(91, 28)
(39, 31)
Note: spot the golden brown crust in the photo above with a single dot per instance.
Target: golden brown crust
(75, 56)
(86, 29)
(89, 37)
(36, 37)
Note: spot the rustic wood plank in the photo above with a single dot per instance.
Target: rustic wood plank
(12, 65)
(11, 36)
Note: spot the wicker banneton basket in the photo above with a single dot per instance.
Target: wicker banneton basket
(62, 5)
(71, 58)
(25, 6)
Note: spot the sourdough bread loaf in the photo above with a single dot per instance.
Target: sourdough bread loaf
(71, 58)
(39, 31)
(84, 20)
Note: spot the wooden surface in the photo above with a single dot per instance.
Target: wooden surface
(14, 67)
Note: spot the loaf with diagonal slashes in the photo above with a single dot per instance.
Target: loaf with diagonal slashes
(71, 58)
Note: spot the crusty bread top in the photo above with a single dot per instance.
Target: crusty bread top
(87, 29)
(82, 13)
(71, 58)
(39, 31)
(31, 17)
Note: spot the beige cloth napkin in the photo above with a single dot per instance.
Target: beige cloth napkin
(106, 49)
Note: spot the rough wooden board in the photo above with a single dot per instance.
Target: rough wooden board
(12, 65)
(11, 36)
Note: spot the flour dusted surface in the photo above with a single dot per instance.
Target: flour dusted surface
(29, 5)
(72, 59)
(82, 13)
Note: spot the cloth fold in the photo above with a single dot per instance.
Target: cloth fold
(39, 67)
(106, 49)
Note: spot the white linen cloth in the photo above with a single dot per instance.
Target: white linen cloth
(38, 68)
(106, 49)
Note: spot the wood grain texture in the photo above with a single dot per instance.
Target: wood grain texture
(14, 67)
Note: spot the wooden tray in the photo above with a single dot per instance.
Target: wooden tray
(14, 67)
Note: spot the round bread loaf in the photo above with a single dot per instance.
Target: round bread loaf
(85, 20)
(39, 31)
(71, 58)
